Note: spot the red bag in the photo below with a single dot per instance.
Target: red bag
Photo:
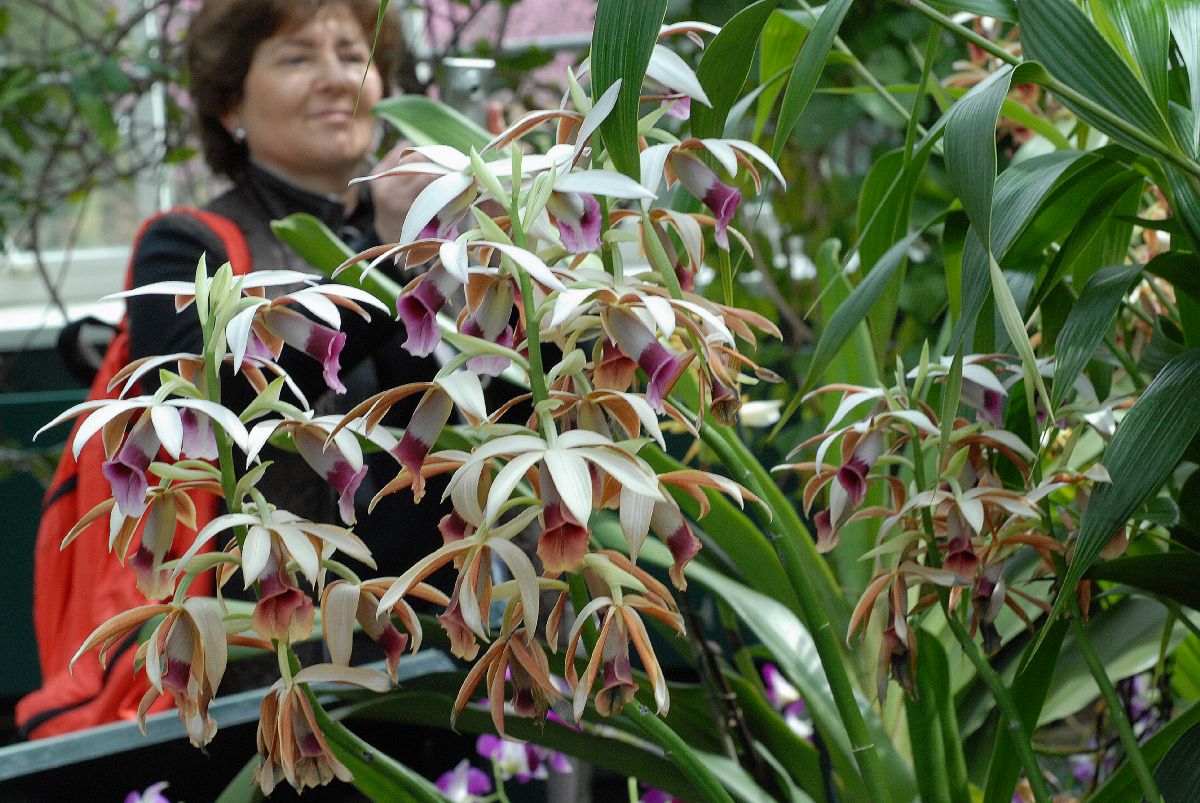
(77, 589)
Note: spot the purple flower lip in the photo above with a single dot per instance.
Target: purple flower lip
(578, 228)
(723, 200)
(129, 484)
(418, 311)
(662, 369)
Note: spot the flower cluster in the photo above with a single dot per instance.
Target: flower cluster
(952, 505)
(580, 288)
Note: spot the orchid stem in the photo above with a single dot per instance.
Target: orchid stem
(1116, 710)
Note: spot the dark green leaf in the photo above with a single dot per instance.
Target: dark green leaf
(1056, 33)
(1000, 9)
(1140, 28)
(425, 121)
(1171, 575)
(1184, 19)
(1088, 322)
(623, 38)
(1181, 269)
(1178, 774)
(725, 65)
(376, 774)
(807, 70)
(242, 788)
(930, 723)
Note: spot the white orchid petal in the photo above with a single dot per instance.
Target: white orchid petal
(256, 549)
(600, 110)
(238, 332)
(723, 154)
(759, 155)
(220, 415)
(603, 182)
(301, 550)
(96, 421)
(430, 201)
(662, 313)
(526, 261)
(168, 427)
(653, 160)
(506, 480)
(629, 471)
(670, 70)
(320, 306)
(572, 480)
(454, 259)
(635, 519)
(522, 570)
(464, 389)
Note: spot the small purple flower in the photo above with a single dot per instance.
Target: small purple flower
(199, 443)
(524, 762)
(464, 783)
(153, 794)
(652, 795)
(680, 109)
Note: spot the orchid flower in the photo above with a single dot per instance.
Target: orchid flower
(464, 783)
(699, 178)
(520, 760)
(343, 603)
(461, 388)
(184, 656)
(291, 745)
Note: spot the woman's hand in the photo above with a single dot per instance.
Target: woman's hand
(394, 195)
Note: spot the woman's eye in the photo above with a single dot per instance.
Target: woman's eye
(354, 56)
(293, 58)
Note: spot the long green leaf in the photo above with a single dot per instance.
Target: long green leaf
(726, 64)
(1142, 26)
(320, 247)
(1178, 774)
(1171, 575)
(807, 70)
(851, 312)
(1056, 33)
(616, 752)
(782, 37)
(1184, 19)
(792, 648)
(376, 774)
(425, 121)
(623, 39)
(1000, 9)
(927, 710)
(1089, 320)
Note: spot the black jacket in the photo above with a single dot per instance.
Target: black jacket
(398, 531)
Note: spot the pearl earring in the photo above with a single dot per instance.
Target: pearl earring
(239, 134)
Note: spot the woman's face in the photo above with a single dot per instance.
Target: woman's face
(299, 97)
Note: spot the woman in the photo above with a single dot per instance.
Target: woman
(283, 91)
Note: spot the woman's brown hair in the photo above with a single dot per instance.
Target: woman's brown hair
(221, 41)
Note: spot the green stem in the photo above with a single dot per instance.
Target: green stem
(1115, 709)
(800, 559)
(1057, 87)
(678, 752)
(1008, 709)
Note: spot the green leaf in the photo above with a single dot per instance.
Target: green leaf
(425, 121)
(725, 65)
(1089, 320)
(376, 774)
(319, 247)
(1057, 34)
(1178, 774)
(623, 38)
(1128, 636)
(807, 70)
(851, 312)
(1148, 443)
(1123, 785)
(928, 717)
(793, 650)
(782, 37)
(1142, 28)
(1181, 269)
(242, 788)
(1171, 575)
(892, 209)
(1028, 690)
(616, 752)
(1000, 9)
(1184, 19)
